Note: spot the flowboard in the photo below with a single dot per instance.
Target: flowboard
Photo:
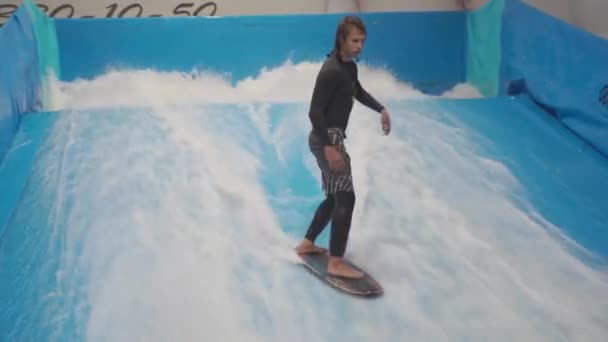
(366, 286)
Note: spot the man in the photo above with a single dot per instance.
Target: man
(337, 85)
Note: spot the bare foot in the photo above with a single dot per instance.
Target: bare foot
(308, 247)
(337, 267)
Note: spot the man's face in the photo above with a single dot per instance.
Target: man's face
(353, 44)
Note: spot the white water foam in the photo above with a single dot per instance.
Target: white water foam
(288, 83)
(181, 243)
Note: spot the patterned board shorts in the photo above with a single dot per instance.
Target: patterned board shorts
(332, 181)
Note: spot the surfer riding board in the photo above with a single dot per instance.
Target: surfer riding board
(336, 87)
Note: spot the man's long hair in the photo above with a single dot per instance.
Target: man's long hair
(344, 27)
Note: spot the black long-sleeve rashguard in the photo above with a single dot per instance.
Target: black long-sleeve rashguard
(336, 87)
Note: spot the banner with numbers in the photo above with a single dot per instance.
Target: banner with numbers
(163, 8)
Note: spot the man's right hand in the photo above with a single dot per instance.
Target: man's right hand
(334, 158)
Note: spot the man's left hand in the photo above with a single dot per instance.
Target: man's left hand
(386, 122)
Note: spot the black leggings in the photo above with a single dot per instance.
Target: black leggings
(339, 208)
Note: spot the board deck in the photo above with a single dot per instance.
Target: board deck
(366, 286)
